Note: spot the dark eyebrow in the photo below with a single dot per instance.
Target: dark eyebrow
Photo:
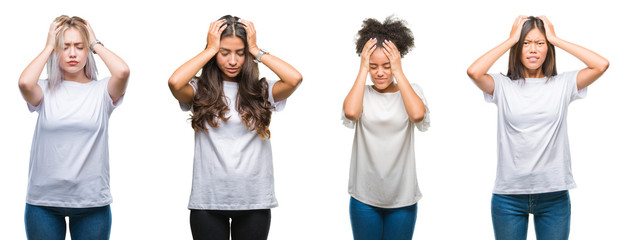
(237, 50)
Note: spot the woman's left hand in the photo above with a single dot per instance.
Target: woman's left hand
(250, 36)
(92, 36)
(391, 51)
(549, 29)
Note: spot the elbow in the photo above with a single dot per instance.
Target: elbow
(25, 85)
(122, 73)
(172, 83)
(296, 80)
(416, 118)
(472, 73)
(352, 115)
(605, 65)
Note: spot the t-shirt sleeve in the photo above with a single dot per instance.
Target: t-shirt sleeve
(497, 89)
(424, 124)
(278, 105)
(104, 83)
(43, 84)
(571, 82)
(345, 121)
(185, 106)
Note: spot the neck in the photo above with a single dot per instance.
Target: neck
(228, 79)
(390, 89)
(76, 77)
(533, 73)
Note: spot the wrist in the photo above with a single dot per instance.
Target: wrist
(95, 44)
(254, 50)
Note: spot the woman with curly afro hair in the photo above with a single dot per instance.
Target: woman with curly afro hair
(382, 182)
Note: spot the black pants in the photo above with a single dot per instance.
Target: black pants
(245, 224)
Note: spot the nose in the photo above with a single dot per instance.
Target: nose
(72, 52)
(232, 59)
(380, 72)
(533, 48)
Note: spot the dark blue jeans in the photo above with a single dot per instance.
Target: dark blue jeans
(374, 223)
(48, 223)
(552, 214)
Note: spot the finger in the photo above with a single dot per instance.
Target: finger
(391, 45)
(370, 44)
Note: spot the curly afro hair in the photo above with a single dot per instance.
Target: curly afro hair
(393, 29)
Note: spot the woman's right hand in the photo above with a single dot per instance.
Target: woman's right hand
(515, 32)
(52, 33)
(367, 50)
(213, 35)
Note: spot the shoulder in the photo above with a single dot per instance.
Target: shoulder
(567, 76)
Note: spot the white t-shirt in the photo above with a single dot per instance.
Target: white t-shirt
(233, 166)
(69, 165)
(532, 144)
(383, 167)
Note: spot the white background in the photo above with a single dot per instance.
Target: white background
(151, 142)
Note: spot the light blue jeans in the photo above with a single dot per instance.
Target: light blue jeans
(552, 215)
(374, 223)
(48, 223)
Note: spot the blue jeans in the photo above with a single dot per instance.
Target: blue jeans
(49, 222)
(376, 223)
(552, 214)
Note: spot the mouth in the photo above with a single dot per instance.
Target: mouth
(533, 59)
(232, 70)
(73, 63)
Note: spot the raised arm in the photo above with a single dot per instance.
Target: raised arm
(412, 102)
(179, 80)
(289, 77)
(31, 92)
(596, 64)
(117, 67)
(479, 69)
(353, 102)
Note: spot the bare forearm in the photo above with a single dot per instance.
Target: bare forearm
(117, 67)
(283, 70)
(182, 76)
(29, 77)
(289, 77)
(353, 102)
(119, 71)
(411, 101)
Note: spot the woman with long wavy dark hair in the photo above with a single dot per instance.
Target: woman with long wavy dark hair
(69, 163)
(383, 181)
(231, 109)
(533, 158)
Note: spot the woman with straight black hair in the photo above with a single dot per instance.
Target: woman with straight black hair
(231, 109)
(533, 159)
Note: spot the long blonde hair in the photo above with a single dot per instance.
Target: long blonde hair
(55, 73)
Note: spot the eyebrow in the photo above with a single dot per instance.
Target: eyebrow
(237, 50)
(377, 64)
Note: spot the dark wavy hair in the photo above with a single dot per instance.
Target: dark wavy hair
(516, 70)
(392, 29)
(209, 104)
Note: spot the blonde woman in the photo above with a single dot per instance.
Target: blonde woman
(69, 164)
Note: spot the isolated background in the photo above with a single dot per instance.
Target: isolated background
(151, 142)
